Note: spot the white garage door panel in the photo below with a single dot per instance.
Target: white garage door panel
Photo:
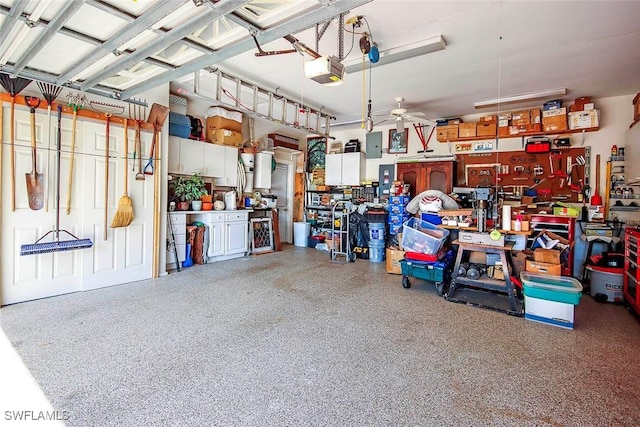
(26, 268)
(104, 252)
(135, 249)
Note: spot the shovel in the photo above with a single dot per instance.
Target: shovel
(157, 116)
(35, 180)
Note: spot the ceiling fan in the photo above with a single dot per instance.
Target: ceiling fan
(400, 115)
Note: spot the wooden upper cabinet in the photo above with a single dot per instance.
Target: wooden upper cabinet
(422, 176)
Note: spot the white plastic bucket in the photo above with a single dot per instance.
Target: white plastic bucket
(606, 285)
(301, 230)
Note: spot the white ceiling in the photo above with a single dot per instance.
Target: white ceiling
(494, 48)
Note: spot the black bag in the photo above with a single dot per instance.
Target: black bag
(353, 146)
(197, 130)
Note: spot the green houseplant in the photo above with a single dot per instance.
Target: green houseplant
(189, 190)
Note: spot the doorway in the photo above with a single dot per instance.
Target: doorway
(282, 188)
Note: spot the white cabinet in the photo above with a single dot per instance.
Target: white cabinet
(344, 169)
(178, 224)
(230, 176)
(262, 170)
(188, 156)
(228, 233)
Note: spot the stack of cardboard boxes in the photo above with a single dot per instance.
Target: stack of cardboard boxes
(549, 253)
(224, 127)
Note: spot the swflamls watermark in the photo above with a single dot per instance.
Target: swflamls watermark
(36, 415)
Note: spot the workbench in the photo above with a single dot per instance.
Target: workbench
(502, 291)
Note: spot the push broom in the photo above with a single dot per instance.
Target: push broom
(56, 245)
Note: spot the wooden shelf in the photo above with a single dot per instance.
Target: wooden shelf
(522, 135)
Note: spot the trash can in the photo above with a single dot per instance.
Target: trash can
(301, 230)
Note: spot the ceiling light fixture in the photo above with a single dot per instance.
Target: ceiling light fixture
(411, 50)
(521, 98)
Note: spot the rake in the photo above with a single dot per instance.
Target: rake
(56, 245)
(50, 92)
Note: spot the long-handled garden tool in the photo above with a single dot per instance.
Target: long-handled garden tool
(101, 106)
(76, 102)
(50, 92)
(56, 245)
(124, 213)
(35, 180)
(13, 85)
(157, 117)
(138, 115)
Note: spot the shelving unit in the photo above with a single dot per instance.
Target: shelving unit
(561, 225)
(319, 205)
(631, 275)
(522, 135)
(620, 195)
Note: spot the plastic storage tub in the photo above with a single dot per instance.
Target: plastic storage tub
(422, 237)
(179, 125)
(552, 288)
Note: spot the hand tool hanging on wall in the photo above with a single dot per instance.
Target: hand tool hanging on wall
(138, 117)
(106, 174)
(124, 213)
(56, 245)
(77, 103)
(35, 180)
(109, 110)
(171, 246)
(13, 85)
(596, 199)
(1, 142)
(50, 92)
(157, 116)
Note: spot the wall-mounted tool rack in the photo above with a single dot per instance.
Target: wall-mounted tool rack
(562, 174)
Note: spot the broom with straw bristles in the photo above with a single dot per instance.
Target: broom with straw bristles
(124, 214)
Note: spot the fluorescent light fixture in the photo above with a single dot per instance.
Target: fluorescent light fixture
(411, 50)
(521, 98)
(326, 70)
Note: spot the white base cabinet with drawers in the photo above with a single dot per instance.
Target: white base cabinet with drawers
(228, 233)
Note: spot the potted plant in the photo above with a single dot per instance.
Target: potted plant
(189, 190)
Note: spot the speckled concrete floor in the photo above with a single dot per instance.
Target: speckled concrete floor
(291, 339)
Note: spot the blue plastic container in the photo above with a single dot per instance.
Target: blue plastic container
(376, 254)
(551, 288)
(376, 232)
(432, 218)
(179, 125)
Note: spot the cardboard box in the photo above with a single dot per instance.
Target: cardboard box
(487, 129)
(549, 312)
(466, 130)
(555, 123)
(492, 118)
(584, 119)
(520, 118)
(549, 256)
(555, 112)
(518, 130)
(446, 133)
(219, 122)
(393, 261)
(543, 267)
(477, 257)
(224, 137)
(504, 116)
(534, 113)
(552, 105)
(503, 123)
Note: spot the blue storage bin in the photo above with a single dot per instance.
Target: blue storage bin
(552, 288)
(179, 125)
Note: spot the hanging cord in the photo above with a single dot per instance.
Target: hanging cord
(364, 92)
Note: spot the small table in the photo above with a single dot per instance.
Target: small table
(504, 287)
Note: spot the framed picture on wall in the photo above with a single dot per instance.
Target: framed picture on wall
(398, 142)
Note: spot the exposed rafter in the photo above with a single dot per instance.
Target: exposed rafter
(304, 22)
(222, 8)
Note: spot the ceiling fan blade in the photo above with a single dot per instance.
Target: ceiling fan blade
(414, 113)
(420, 120)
